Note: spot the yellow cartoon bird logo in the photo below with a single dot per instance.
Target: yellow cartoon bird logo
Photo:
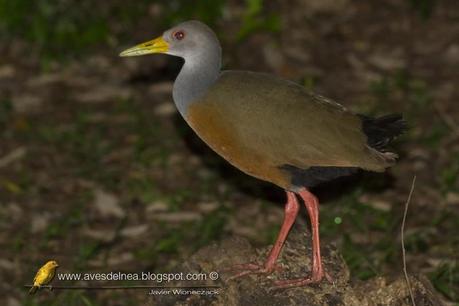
(44, 275)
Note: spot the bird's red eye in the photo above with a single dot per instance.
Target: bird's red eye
(179, 35)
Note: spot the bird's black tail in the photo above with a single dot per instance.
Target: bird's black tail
(33, 289)
(382, 130)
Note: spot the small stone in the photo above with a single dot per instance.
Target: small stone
(165, 109)
(44, 80)
(161, 88)
(39, 223)
(11, 301)
(452, 198)
(107, 205)
(120, 259)
(134, 231)
(178, 217)
(104, 235)
(16, 154)
(25, 103)
(7, 72)
(157, 206)
(103, 94)
(208, 207)
(6, 264)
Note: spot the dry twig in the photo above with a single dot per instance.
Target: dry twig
(402, 230)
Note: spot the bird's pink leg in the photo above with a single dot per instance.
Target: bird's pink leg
(312, 206)
(290, 212)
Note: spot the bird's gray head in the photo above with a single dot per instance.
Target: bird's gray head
(188, 39)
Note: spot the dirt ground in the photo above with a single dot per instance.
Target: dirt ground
(99, 172)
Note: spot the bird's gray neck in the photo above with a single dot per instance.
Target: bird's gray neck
(198, 73)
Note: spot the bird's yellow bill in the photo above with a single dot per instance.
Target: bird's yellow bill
(157, 45)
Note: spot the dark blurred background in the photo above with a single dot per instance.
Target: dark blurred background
(98, 172)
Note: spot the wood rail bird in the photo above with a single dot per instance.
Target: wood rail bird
(44, 275)
(272, 129)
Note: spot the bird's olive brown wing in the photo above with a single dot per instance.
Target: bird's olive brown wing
(281, 122)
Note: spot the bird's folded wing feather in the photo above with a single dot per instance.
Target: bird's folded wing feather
(286, 124)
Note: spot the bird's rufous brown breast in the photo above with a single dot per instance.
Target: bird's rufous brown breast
(213, 128)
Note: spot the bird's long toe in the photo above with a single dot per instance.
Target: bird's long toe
(316, 278)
